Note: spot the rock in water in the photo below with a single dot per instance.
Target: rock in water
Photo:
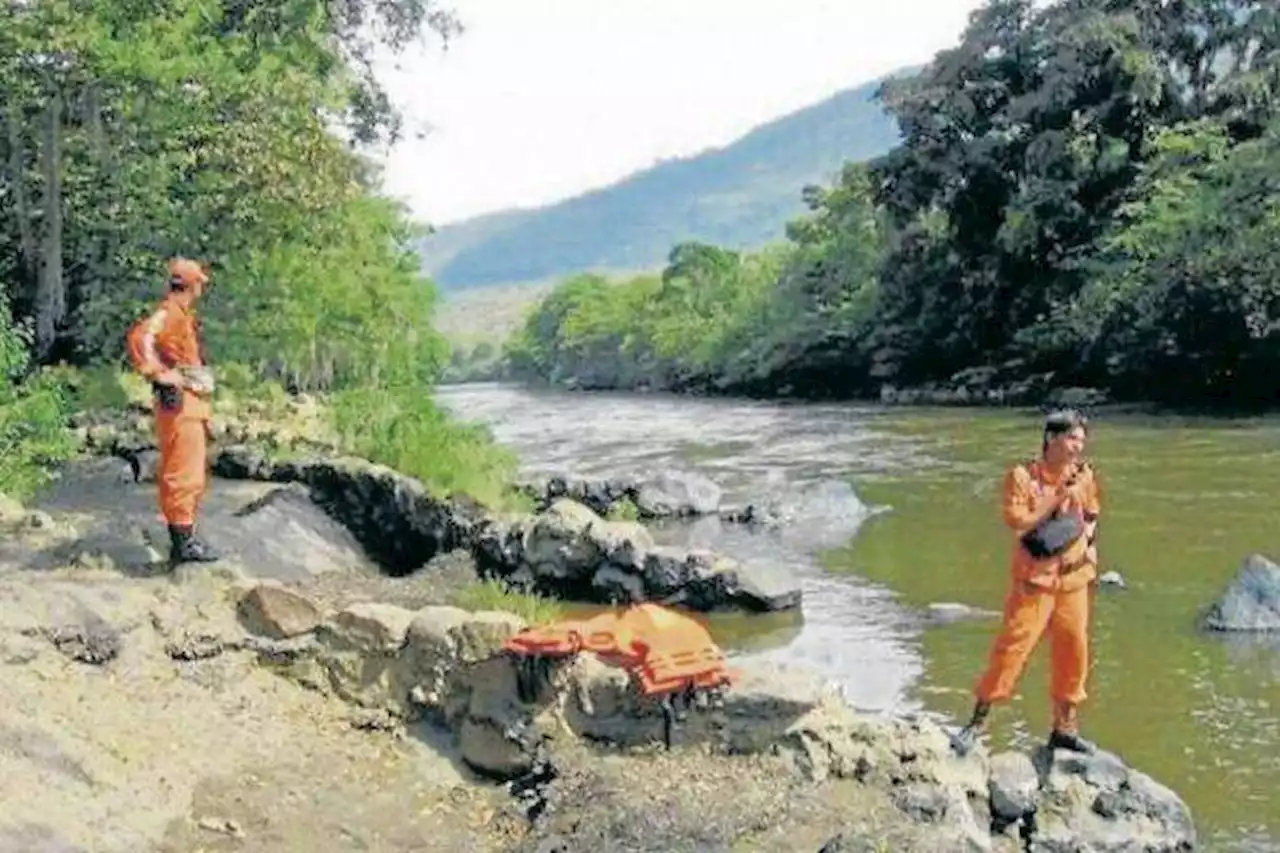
(1096, 802)
(677, 494)
(1251, 601)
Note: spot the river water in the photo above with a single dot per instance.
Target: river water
(1185, 500)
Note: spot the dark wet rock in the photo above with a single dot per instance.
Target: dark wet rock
(754, 515)
(1099, 803)
(87, 638)
(569, 551)
(1251, 601)
(660, 495)
(1014, 786)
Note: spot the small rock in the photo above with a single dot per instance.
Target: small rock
(39, 520)
(1014, 785)
(374, 626)
(224, 826)
(273, 611)
(1251, 601)
(191, 645)
(947, 612)
(373, 720)
(90, 640)
(1114, 579)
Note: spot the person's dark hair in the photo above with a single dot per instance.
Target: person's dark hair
(1063, 422)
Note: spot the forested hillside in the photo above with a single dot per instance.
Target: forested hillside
(133, 132)
(739, 196)
(1087, 192)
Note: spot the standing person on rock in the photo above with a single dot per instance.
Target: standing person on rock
(1052, 504)
(166, 349)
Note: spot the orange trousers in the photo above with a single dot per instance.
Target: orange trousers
(183, 471)
(1028, 614)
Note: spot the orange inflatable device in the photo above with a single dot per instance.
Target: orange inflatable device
(666, 652)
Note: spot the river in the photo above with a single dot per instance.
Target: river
(1185, 500)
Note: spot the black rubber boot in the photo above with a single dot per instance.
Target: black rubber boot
(1071, 742)
(966, 739)
(187, 547)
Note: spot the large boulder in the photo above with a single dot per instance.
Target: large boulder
(1251, 601)
(1098, 803)
(568, 551)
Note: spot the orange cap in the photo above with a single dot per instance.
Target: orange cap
(186, 273)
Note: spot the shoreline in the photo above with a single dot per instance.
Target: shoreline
(1107, 406)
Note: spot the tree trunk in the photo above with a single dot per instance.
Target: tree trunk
(51, 297)
(14, 120)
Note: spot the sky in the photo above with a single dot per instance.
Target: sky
(540, 100)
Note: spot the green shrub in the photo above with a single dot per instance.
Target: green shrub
(495, 595)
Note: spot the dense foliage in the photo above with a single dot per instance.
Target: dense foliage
(229, 131)
(1086, 188)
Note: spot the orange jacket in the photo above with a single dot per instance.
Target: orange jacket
(1023, 486)
(168, 339)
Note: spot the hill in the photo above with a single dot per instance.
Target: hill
(738, 196)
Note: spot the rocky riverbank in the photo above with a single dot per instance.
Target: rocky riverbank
(170, 712)
(566, 550)
(321, 689)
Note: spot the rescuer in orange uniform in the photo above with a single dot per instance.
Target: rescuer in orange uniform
(166, 349)
(1049, 594)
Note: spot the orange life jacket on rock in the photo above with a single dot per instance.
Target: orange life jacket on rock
(665, 651)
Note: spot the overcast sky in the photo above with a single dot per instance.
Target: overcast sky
(542, 99)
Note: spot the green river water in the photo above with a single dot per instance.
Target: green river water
(1185, 500)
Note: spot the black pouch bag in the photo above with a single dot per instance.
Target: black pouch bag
(1053, 535)
(169, 396)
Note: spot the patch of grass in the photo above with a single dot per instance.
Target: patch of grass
(495, 595)
(404, 429)
(623, 510)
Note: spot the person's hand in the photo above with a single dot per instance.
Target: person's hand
(1072, 492)
(200, 380)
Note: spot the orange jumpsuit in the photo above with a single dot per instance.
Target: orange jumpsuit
(170, 339)
(1046, 595)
